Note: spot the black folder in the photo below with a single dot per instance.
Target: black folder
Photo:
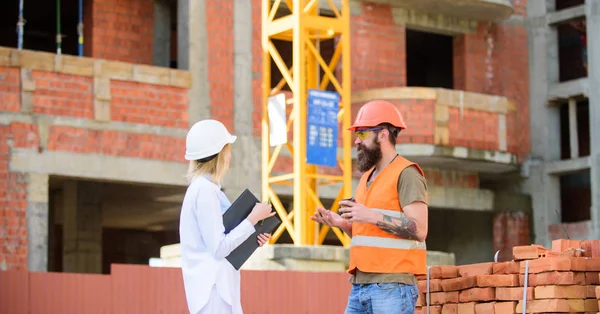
(239, 210)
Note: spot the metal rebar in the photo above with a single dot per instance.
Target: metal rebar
(80, 29)
(20, 26)
(58, 34)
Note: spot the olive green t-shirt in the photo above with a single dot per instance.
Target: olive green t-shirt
(412, 187)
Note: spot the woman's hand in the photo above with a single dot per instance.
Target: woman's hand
(263, 238)
(259, 212)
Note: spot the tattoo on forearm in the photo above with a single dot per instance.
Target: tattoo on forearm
(403, 227)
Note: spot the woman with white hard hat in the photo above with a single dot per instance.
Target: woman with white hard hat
(211, 283)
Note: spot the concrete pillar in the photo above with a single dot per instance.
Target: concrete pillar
(37, 222)
(162, 33)
(592, 13)
(82, 227)
(192, 55)
(545, 122)
(245, 169)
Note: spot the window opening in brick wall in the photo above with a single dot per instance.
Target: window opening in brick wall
(564, 4)
(135, 221)
(173, 27)
(574, 116)
(575, 196)
(39, 32)
(429, 59)
(572, 50)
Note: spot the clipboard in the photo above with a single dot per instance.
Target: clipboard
(237, 212)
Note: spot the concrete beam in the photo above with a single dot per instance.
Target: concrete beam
(563, 167)
(561, 16)
(557, 17)
(45, 121)
(98, 167)
(91, 67)
(565, 90)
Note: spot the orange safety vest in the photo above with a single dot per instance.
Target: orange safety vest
(374, 250)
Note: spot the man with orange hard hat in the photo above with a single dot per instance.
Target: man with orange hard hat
(387, 219)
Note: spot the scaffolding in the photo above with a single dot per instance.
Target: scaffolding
(305, 27)
(21, 27)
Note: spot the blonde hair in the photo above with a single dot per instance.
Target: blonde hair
(215, 168)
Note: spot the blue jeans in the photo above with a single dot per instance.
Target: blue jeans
(382, 298)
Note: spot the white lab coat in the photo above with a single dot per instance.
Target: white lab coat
(204, 247)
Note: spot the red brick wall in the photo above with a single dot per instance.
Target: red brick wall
(120, 30)
(572, 230)
(10, 92)
(378, 48)
(473, 129)
(72, 95)
(220, 60)
(513, 79)
(509, 230)
(499, 67)
(452, 178)
(13, 196)
(63, 94)
(418, 115)
(114, 143)
(149, 104)
(69, 95)
(520, 7)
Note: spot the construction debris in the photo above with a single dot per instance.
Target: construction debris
(564, 279)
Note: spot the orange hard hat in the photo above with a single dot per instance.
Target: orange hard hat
(376, 112)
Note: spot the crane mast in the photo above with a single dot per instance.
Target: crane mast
(305, 27)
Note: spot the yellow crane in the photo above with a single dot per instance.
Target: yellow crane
(305, 27)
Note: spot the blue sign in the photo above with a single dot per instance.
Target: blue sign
(322, 128)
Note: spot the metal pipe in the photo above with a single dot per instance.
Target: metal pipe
(80, 29)
(58, 34)
(20, 25)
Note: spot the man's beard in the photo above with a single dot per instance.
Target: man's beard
(368, 157)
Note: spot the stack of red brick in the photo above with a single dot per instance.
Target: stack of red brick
(565, 279)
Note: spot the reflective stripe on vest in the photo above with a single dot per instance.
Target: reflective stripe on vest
(387, 243)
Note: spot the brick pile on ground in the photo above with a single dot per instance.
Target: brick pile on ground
(564, 279)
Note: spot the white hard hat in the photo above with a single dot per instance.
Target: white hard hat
(206, 138)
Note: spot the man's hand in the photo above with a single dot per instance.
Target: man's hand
(332, 219)
(356, 212)
(327, 218)
(411, 225)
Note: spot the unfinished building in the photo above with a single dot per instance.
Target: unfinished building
(93, 127)
(563, 170)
